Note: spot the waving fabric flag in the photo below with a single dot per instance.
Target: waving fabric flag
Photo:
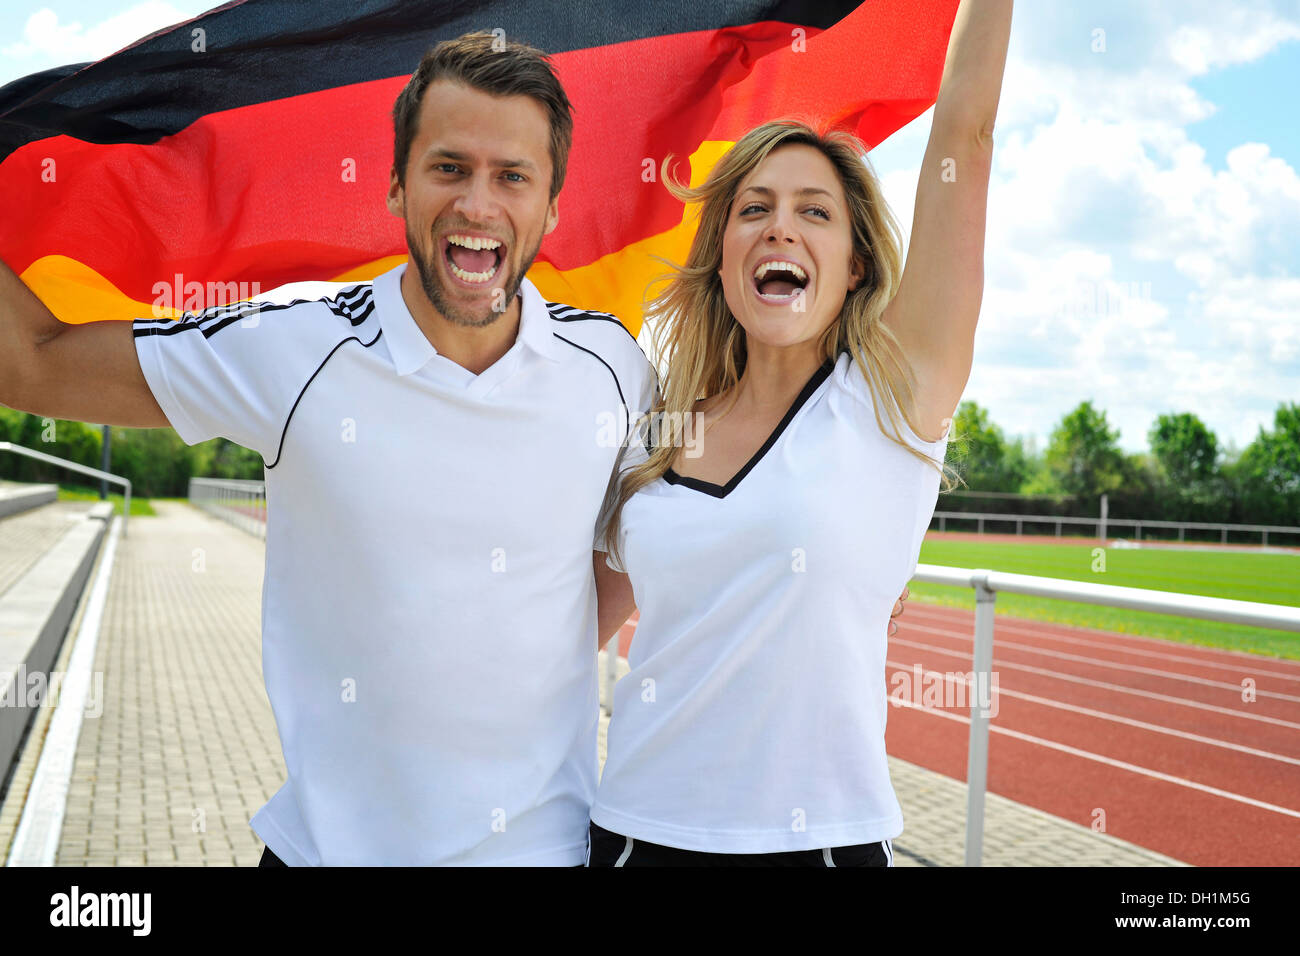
(252, 145)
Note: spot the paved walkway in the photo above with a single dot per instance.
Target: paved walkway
(185, 750)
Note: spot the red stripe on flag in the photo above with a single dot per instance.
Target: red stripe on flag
(263, 194)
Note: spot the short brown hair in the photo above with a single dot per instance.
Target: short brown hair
(492, 64)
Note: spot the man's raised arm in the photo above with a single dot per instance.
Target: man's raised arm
(86, 373)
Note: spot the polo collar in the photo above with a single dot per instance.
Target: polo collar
(535, 322)
(412, 350)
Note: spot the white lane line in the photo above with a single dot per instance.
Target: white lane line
(1029, 631)
(37, 840)
(1104, 685)
(1111, 762)
(1102, 715)
(1130, 668)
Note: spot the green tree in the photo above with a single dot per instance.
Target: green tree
(1187, 450)
(1267, 476)
(1142, 490)
(983, 456)
(220, 458)
(73, 441)
(1084, 455)
(156, 460)
(1020, 463)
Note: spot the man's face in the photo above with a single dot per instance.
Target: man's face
(476, 199)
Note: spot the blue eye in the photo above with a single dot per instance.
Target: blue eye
(752, 205)
(518, 177)
(819, 209)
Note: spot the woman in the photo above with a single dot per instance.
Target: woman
(751, 728)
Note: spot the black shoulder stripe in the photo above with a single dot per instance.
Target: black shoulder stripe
(346, 304)
(284, 431)
(568, 313)
(601, 361)
(355, 312)
(564, 307)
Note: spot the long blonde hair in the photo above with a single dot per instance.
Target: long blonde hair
(705, 344)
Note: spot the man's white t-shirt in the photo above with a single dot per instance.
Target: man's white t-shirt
(753, 717)
(429, 607)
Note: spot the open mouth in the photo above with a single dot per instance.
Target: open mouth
(473, 260)
(780, 281)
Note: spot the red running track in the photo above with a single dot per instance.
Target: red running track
(1150, 739)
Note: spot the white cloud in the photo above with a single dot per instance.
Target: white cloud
(47, 41)
(1239, 34)
(1120, 266)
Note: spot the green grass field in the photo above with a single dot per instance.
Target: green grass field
(139, 506)
(1241, 575)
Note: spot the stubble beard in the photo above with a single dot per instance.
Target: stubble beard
(431, 281)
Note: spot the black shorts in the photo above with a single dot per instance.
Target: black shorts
(270, 859)
(607, 848)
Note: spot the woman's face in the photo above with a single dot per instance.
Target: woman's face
(787, 252)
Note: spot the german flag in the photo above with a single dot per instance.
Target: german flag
(252, 145)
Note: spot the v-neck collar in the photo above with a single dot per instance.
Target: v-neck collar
(721, 491)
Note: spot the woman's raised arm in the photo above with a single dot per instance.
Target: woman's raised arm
(938, 302)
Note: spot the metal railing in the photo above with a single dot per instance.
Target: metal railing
(1102, 524)
(240, 501)
(988, 583)
(82, 469)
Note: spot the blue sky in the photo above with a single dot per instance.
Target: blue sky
(1245, 113)
(1143, 246)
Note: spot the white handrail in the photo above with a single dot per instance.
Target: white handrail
(75, 466)
(236, 500)
(987, 583)
(1253, 613)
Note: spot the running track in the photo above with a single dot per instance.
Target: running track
(1152, 733)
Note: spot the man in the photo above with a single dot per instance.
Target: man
(435, 465)
(434, 472)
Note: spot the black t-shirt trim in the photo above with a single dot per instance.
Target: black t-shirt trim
(721, 491)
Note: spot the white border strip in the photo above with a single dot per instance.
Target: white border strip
(37, 841)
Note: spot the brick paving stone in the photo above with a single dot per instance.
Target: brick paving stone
(185, 723)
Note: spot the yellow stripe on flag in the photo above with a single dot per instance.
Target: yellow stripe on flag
(616, 283)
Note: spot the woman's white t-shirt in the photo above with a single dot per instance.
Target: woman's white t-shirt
(753, 718)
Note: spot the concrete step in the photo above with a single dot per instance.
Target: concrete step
(25, 537)
(38, 605)
(16, 498)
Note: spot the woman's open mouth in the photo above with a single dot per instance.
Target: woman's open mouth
(473, 261)
(779, 281)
